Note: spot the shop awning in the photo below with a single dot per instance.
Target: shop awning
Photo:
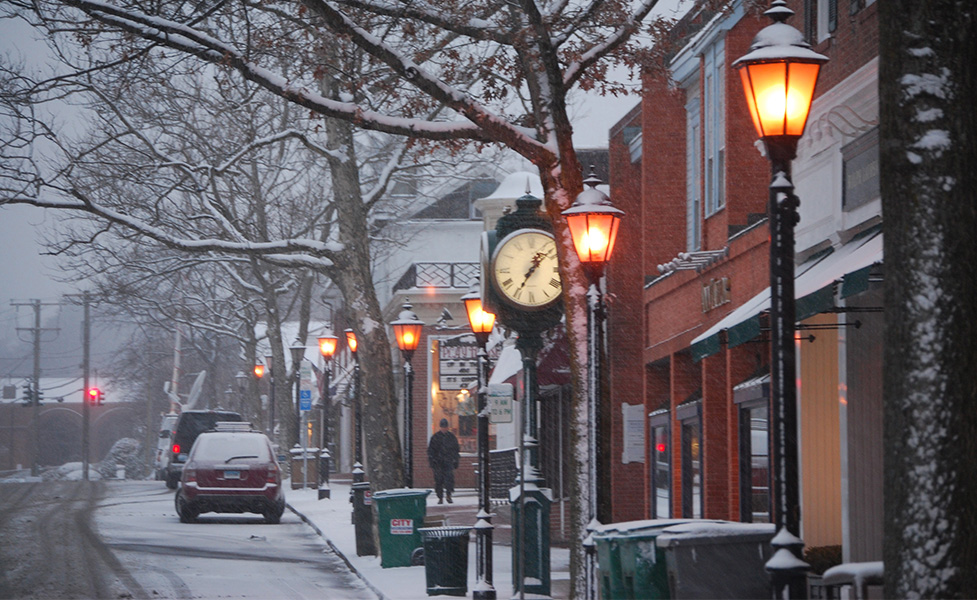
(814, 290)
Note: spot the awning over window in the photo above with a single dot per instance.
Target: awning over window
(814, 289)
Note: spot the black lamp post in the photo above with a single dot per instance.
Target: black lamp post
(239, 378)
(327, 347)
(593, 224)
(779, 74)
(352, 344)
(298, 353)
(269, 367)
(482, 323)
(407, 331)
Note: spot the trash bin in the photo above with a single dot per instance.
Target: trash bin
(363, 519)
(717, 559)
(631, 566)
(304, 467)
(400, 513)
(609, 562)
(446, 560)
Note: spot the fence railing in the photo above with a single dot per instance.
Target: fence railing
(459, 275)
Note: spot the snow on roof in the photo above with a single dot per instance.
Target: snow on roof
(514, 186)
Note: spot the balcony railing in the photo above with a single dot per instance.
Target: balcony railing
(447, 275)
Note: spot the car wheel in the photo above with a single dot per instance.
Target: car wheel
(186, 513)
(172, 481)
(273, 516)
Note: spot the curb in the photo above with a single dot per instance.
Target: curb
(338, 552)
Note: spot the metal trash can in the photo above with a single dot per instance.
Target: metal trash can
(717, 559)
(400, 514)
(609, 562)
(363, 519)
(446, 560)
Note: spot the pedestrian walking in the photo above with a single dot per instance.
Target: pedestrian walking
(442, 455)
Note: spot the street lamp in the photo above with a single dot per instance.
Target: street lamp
(271, 395)
(298, 353)
(593, 224)
(352, 344)
(779, 74)
(407, 331)
(482, 323)
(327, 347)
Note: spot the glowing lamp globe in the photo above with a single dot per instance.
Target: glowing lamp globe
(779, 74)
(327, 346)
(479, 320)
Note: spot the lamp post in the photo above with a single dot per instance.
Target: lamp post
(240, 377)
(779, 74)
(271, 397)
(352, 344)
(298, 353)
(593, 223)
(482, 323)
(327, 347)
(259, 372)
(407, 331)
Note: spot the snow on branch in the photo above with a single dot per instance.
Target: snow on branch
(191, 41)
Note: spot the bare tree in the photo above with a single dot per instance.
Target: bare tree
(528, 55)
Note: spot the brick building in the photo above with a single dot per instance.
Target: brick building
(689, 363)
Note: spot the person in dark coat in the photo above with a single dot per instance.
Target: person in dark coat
(442, 455)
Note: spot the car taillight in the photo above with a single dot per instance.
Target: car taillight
(272, 474)
(176, 448)
(189, 474)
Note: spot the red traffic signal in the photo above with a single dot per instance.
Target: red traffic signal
(95, 395)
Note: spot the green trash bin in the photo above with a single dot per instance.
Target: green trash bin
(446, 560)
(609, 562)
(632, 566)
(400, 514)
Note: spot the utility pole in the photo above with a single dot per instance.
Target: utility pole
(36, 401)
(86, 330)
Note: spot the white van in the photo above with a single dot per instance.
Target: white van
(162, 459)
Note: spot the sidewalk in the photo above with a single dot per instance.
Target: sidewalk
(331, 517)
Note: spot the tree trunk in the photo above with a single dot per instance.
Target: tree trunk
(354, 278)
(928, 133)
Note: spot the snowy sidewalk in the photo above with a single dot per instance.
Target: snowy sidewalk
(332, 518)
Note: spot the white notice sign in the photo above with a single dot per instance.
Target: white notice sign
(500, 402)
(634, 433)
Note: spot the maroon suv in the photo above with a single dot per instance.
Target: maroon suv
(231, 472)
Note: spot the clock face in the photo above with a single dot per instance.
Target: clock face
(525, 269)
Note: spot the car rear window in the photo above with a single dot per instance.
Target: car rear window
(220, 447)
(193, 424)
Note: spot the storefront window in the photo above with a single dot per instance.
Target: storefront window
(661, 469)
(454, 364)
(754, 464)
(692, 467)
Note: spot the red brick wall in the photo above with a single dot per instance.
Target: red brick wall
(625, 325)
(663, 171)
(716, 447)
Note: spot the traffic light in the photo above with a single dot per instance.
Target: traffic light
(95, 396)
(28, 398)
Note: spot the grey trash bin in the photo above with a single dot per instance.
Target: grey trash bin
(712, 559)
(446, 560)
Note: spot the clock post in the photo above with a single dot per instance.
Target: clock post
(521, 284)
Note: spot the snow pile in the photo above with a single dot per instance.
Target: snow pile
(125, 453)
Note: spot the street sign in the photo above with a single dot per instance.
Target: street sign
(500, 402)
(306, 385)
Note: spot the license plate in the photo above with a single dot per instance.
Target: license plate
(232, 474)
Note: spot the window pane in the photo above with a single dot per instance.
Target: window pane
(691, 469)
(661, 474)
(754, 465)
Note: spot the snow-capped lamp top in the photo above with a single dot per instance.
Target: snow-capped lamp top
(779, 73)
